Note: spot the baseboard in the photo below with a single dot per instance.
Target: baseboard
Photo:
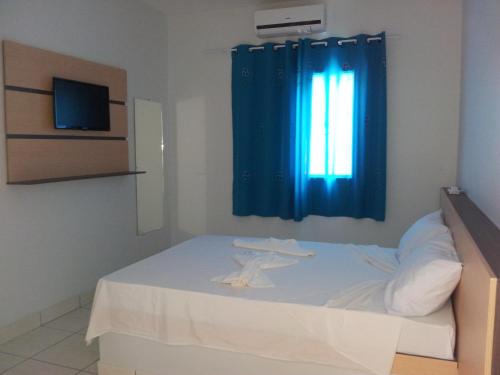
(59, 309)
(86, 298)
(35, 320)
(19, 327)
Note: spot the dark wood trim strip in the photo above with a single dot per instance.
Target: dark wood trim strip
(41, 136)
(483, 231)
(26, 89)
(74, 178)
(117, 102)
(47, 92)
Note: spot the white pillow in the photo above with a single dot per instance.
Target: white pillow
(425, 279)
(422, 231)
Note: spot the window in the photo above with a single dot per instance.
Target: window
(331, 137)
(310, 128)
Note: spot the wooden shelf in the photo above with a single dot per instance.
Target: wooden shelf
(73, 178)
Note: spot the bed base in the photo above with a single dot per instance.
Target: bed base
(403, 365)
(127, 355)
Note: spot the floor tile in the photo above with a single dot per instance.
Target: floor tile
(92, 369)
(74, 321)
(7, 361)
(19, 327)
(31, 367)
(33, 342)
(72, 352)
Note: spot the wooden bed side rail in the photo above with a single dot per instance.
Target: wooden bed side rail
(106, 369)
(405, 364)
(475, 300)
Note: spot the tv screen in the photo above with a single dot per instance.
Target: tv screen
(80, 105)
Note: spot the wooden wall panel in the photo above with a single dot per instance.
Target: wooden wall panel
(36, 152)
(36, 159)
(34, 68)
(28, 113)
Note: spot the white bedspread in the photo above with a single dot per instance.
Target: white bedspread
(169, 298)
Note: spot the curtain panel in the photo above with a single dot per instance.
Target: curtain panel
(273, 107)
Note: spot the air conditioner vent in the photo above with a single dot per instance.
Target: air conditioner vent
(290, 21)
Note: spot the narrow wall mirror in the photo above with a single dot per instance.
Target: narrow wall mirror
(149, 158)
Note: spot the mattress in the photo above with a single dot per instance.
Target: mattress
(127, 300)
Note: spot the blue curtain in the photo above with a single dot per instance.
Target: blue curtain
(272, 98)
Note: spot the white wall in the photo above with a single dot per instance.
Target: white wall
(479, 166)
(424, 64)
(57, 239)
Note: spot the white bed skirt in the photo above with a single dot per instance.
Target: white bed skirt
(129, 355)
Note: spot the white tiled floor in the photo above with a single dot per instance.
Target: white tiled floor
(56, 348)
(74, 321)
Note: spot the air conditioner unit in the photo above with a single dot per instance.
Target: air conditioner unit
(301, 20)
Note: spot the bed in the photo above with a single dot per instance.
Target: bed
(292, 329)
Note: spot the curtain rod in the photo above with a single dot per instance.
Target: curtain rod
(295, 45)
(325, 44)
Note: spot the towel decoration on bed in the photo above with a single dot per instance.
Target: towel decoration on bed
(359, 296)
(376, 258)
(287, 247)
(252, 275)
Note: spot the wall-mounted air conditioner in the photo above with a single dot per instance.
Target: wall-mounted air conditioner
(301, 20)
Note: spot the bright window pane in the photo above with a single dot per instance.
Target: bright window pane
(317, 153)
(333, 107)
(331, 141)
(341, 125)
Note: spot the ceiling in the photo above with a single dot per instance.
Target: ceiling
(170, 7)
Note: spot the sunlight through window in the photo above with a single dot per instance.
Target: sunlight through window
(317, 164)
(331, 139)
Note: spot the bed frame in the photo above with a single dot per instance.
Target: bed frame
(475, 302)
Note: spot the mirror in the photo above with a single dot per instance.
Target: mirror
(149, 158)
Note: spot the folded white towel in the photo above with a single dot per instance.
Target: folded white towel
(266, 262)
(252, 275)
(288, 247)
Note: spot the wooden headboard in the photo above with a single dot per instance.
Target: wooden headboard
(476, 300)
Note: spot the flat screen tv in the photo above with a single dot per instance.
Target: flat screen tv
(80, 105)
